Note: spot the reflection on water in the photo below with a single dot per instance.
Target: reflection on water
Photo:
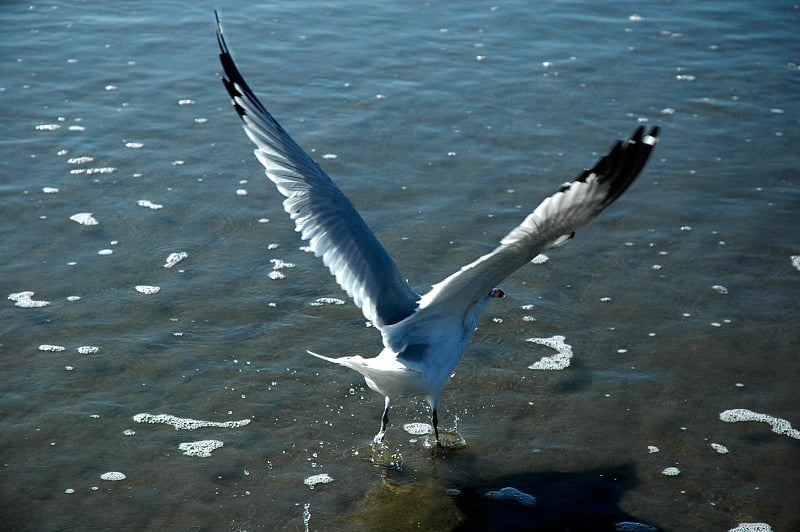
(149, 269)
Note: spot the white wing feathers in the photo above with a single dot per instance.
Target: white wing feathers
(552, 223)
(323, 215)
(326, 218)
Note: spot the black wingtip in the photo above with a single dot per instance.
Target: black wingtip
(624, 162)
(232, 79)
(627, 160)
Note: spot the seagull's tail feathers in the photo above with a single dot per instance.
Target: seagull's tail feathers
(353, 362)
(386, 375)
(323, 357)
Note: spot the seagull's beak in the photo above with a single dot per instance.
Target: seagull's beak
(496, 293)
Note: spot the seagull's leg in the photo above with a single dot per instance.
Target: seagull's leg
(384, 420)
(435, 421)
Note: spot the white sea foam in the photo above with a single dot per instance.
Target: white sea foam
(278, 264)
(633, 526)
(113, 475)
(52, 348)
(560, 360)
(327, 301)
(779, 426)
(671, 471)
(721, 449)
(795, 262)
(48, 127)
(719, 289)
(92, 171)
(313, 480)
(134, 145)
(84, 218)
(511, 494)
(25, 300)
(147, 289)
(88, 350)
(200, 448)
(175, 258)
(50, 190)
(187, 423)
(149, 204)
(80, 160)
(752, 527)
(418, 429)
(652, 449)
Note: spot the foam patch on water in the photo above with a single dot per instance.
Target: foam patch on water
(418, 429)
(795, 262)
(511, 494)
(313, 480)
(200, 448)
(752, 527)
(327, 301)
(147, 289)
(779, 426)
(25, 300)
(632, 526)
(149, 204)
(721, 449)
(52, 348)
(671, 471)
(186, 423)
(92, 171)
(88, 350)
(113, 476)
(175, 258)
(84, 218)
(560, 360)
(720, 289)
(278, 264)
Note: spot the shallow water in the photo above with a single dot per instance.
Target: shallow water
(445, 126)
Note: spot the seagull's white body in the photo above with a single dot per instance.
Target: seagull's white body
(424, 336)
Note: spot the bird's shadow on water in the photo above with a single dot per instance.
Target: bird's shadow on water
(585, 500)
(462, 500)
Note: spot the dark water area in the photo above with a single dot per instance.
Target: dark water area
(445, 125)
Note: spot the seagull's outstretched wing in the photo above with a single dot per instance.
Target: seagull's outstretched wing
(552, 223)
(323, 215)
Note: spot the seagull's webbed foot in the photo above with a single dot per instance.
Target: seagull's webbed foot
(447, 440)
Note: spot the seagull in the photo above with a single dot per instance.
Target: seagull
(424, 336)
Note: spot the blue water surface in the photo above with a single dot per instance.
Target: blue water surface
(445, 124)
